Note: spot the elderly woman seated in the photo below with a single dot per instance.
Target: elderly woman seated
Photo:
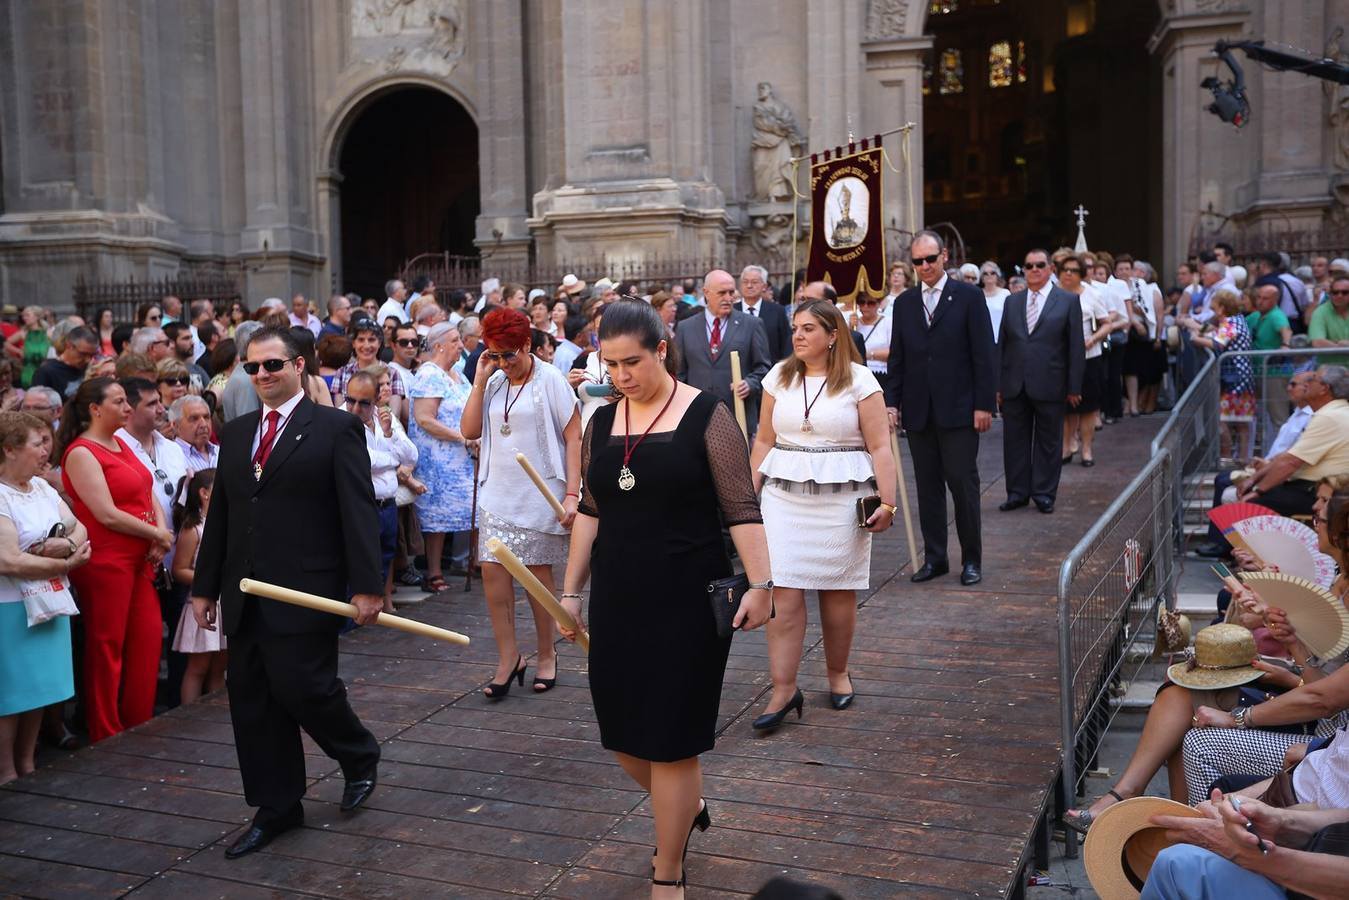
(1194, 733)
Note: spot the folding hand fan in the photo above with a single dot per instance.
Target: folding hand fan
(1317, 615)
(1289, 545)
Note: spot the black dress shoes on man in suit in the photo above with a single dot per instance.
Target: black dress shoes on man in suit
(1009, 505)
(970, 574)
(1045, 506)
(258, 836)
(358, 790)
(929, 571)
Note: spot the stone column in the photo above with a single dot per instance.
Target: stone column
(892, 92)
(1199, 153)
(501, 231)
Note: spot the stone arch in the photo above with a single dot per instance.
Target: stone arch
(348, 120)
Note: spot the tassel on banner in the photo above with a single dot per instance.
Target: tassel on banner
(865, 145)
(814, 159)
(876, 140)
(827, 156)
(852, 148)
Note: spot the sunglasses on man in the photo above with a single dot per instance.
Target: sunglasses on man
(352, 401)
(1038, 264)
(408, 342)
(271, 365)
(928, 260)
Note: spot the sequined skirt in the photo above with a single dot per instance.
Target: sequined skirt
(535, 548)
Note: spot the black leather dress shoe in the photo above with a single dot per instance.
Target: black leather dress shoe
(259, 836)
(1009, 505)
(970, 574)
(1046, 507)
(358, 790)
(929, 571)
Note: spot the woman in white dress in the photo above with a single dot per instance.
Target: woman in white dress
(995, 295)
(521, 405)
(1079, 425)
(874, 326)
(823, 445)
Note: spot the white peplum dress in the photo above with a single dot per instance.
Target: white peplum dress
(812, 482)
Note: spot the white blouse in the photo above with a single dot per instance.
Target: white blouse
(995, 305)
(877, 337)
(33, 513)
(836, 427)
(1095, 311)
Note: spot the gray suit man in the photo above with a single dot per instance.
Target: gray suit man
(705, 342)
(1042, 354)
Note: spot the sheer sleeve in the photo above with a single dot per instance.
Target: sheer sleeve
(586, 504)
(728, 457)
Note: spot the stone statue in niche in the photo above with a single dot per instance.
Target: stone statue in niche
(776, 139)
(1338, 96)
(429, 33)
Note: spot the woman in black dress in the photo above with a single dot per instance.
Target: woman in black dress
(663, 469)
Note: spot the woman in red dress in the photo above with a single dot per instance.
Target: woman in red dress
(110, 492)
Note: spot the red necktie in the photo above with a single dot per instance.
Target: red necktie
(268, 438)
(715, 341)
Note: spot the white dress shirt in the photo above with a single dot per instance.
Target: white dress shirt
(751, 310)
(1290, 431)
(169, 462)
(932, 295)
(286, 409)
(391, 309)
(310, 321)
(386, 455)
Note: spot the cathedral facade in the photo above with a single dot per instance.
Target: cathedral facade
(305, 144)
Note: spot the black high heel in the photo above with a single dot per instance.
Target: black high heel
(702, 822)
(769, 721)
(843, 701)
(543, 685)
(495, 691)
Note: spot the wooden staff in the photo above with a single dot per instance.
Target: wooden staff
(520, 572)
(904, 499)
(535, 477)
(348, 610)
(739, 402)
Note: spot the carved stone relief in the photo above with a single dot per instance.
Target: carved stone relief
(1338, 97)
(885, 18)
(771, 235)
(418, 34)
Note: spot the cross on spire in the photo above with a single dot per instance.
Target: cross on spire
(1081, 212)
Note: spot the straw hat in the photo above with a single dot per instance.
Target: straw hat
(1173, 632)
(1222, 659)
(572, 285)
(1122, 844)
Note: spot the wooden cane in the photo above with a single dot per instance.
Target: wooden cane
(472, 533)
(535, 477)
(904, 499)
(739, 402)
(520, 572)
(348, 610)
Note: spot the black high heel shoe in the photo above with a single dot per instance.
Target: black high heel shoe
(769, 721)
(495, 691)
(843, 701)
(702, 822)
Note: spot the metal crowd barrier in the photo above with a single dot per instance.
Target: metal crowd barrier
(1110, 585)
(1190, 435)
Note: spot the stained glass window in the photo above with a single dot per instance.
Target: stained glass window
(1000, 65)
(1020, 62)
(927, 73)
(942, 7)
(951, 77)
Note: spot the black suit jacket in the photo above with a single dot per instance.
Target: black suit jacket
(776, 327)
(311, 523)
(1048, 364)
(939, 374)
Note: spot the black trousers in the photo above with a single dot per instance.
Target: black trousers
(947, 458)
(1112, 404)
(1032, 447)
(279, 684)
(1295, 497)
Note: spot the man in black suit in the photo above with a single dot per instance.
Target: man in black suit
(1043, 359)
(293, 505)
(757, 301)
(941, 378)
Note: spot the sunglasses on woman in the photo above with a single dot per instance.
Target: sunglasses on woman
(181, 381)
(507, 356)
(271, 365)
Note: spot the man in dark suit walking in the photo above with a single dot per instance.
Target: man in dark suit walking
(1043, 359)
(705, 342)
(757, 301)
(293, 505)
(941, 379)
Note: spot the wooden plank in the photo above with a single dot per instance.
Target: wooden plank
(38, 811)
(91, 851)
(175, 885)
(22, 877)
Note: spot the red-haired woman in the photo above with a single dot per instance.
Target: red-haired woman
(520, 405)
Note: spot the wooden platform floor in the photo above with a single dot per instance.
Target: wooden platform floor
(930, 785)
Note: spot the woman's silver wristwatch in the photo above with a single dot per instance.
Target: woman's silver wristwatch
(762, 585)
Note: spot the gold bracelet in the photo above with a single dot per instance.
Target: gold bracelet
(893, 510)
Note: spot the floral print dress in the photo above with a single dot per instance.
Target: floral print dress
(445, 467)
(1238, 381)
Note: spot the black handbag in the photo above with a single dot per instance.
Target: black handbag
(726, 594)
(1254, 696)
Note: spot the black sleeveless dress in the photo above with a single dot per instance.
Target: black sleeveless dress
(656, 663)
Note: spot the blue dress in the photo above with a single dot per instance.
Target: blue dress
(445, 467)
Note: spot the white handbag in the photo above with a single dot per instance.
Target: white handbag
(46, 598)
